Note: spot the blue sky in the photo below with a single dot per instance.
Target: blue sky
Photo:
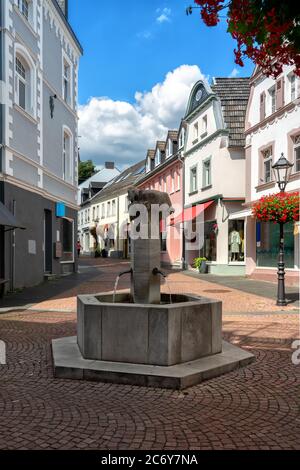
(129, 47)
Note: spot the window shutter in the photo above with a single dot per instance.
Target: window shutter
(262, 106)
(280, 93)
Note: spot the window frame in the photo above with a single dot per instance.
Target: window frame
(204, 165)
(194, 168)
(67, 61)
(21, 54)
(267, 159)
(296, 148)
(272, 99)
(67, 132)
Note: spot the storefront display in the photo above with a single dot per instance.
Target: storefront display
(267, 244)
(236, 241)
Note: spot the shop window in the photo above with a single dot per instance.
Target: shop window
(267, 244)
(68, 239)
(236, 241)
(209, 249)
(163, 241)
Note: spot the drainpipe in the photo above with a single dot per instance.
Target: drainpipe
(2, 130)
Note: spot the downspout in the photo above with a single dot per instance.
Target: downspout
(2, 129)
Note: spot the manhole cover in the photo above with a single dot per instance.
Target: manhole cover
(217, 291)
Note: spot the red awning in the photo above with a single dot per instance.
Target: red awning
(190, 213)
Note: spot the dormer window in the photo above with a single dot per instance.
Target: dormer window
(169, 149)
(157, 157)
(148, 165)
(182, 138)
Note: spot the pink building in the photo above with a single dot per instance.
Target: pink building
(164, 173)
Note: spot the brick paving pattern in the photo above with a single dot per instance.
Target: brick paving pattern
(252, 408)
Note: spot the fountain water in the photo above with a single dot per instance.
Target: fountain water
(144, 337)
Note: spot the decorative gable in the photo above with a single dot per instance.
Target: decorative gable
(199, 94)
(64, 6)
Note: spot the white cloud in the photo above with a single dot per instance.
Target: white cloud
(234, 73)
(165, 15)
(122, 132)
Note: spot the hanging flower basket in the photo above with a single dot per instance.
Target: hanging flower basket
(277, 208)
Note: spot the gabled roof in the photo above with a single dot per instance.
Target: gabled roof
(121, 183)
(173, 135)
(151, 154)
(233, 94)
(161, 145)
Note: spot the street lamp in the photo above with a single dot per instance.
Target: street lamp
(282, 170)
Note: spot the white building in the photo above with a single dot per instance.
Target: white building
(215, 170)
(107, 214)
(272, 128)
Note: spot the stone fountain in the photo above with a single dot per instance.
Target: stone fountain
(143, 337)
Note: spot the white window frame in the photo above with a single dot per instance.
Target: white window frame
(67, 60)
(267, 156)
(169, 149)
(292, 86)
(296, 147)
(272, 99)
(157, 158)
(30, 91)
(206, 164)
(67, 131)
(182, 138)
(204, 126)
(32, 12)
(109, 209)
(194, 168)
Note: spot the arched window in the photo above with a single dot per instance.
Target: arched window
(25, 81)
(67, 160)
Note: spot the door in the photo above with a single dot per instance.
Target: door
(48, 241)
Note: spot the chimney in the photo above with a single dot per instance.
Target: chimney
(110, 165)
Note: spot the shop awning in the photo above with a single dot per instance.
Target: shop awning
(191, 213)
(240, 214)
(7, 219)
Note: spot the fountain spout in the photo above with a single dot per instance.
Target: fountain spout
(128, 271)
(156, 272)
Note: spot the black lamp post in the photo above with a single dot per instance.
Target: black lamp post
(282, 170)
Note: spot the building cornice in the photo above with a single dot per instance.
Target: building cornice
(288, 108)
(207, 140)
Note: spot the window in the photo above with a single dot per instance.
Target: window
(66, 83)
(196, 131)
(67, 169)
(182, 138)
(25, 80)
(108, 209)
(297, 153)
(236, 241)
(292, 79)
(169, 148)
(267, 165)
(267, 236)
(23, 6)
(103, 211)
(172, 181)
(207, 173)
(21, 83)
(148, 165)
(193, 180)
(163, 241)
(209, 249)
(204, 126)
(114, 207)
(157, 157)
(68, 239)
(97, 213)
(272, 96)
(178, 181)
(94, 213)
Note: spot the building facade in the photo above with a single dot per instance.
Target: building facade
(39, 140)
(86, 191)
(272, 128)
(107, 218)
(164, 173)
(214, 158)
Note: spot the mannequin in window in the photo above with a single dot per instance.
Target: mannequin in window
(234, 241)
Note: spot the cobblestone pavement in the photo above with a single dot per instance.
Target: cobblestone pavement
(103, 274)
(252, 408)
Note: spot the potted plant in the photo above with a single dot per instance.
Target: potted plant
(200, 264)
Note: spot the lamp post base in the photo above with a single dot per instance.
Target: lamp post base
(281, 303)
